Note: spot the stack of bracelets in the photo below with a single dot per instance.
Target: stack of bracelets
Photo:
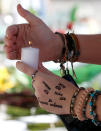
(71, 53)
(71, 50)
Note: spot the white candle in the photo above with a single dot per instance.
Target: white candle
(30, 56)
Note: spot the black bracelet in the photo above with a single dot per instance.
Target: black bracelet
(73, 47)
(63, 50)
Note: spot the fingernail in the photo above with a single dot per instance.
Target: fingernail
(20, 6)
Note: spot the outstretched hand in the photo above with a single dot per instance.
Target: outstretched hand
(36, 31)
(53, 93)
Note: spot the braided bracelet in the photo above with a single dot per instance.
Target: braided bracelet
(92, 105)
(77, 47)
(64, 50)
(81, 103)
(71, 50)
(73, 47)
(73, 101)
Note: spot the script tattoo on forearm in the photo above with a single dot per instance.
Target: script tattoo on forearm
(60, 86)
(51, 104)
(58, 93)
(50, 100)
(63, 86)
(56, 105)
(43, 102)
(62, 98)
(46, 85)
(46, 92)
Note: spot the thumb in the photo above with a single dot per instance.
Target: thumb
(26, 14)
(25, 68)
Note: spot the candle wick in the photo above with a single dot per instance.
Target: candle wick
(30, 43)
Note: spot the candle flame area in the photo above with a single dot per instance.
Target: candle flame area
(30, 42)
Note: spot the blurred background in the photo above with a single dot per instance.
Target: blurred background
(19, 109)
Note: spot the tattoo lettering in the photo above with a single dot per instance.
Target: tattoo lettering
(46, 85)
(57, 93)
(55, 105)
(42, 102)
(63, 86)
(62, 98)
(46, 92)
(50, 100)
(60, 86)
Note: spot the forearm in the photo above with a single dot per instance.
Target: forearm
(90, 48)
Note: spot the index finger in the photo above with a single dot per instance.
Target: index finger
(12, 31)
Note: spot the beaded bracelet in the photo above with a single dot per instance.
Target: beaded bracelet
(81, 103)
(92, 105)
(33, 76)
(73, 101)
(85, 105)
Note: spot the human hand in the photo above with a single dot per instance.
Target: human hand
(53, 93)
(36, 31)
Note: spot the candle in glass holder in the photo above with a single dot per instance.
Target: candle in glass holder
(30, 56)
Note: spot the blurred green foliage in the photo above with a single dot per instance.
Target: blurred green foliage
(84, 73)
(87, 72)
(32, 11)
(73, 13)
(38, 127)
(15, 112)
(29, 81)
(1, 43)
(40, 111)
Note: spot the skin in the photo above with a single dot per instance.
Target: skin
(18, 36)
(44, 78)
(36, 31)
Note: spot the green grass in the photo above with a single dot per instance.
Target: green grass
(40, 111)
(15, 112)
(37, 127)
(40, 126)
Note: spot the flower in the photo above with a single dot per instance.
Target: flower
(5, 80)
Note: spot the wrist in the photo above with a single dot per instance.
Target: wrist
(58, 47)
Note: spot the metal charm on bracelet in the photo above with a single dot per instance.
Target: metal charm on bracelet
(33, 76)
